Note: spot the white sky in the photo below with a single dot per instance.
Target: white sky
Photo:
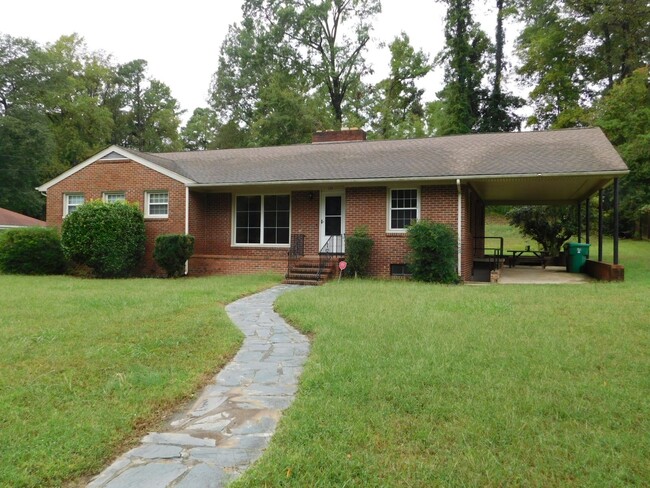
(181, 40)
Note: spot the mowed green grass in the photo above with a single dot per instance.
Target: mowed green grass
(87, 366)
(412, 384)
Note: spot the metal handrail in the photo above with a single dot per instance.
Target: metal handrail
(333, 246)
(296, 250)
(492, 253)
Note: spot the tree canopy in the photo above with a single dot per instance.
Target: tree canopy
(60, 103)
(293, 67)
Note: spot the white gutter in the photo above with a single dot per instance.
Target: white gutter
(187, 222)
(460, 227)
(406, 179)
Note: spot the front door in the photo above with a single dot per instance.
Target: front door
(332, 219)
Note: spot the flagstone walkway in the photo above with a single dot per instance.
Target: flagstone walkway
(234, 418)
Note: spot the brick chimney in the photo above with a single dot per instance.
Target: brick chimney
(343, 135)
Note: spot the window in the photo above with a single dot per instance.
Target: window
(157, 204)
(114, 196)
(403, 208)
(400, 270)
(262, 219)
(71, 202)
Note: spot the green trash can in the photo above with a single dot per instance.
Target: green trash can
(576, 256)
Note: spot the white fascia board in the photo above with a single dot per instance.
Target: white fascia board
(449, 178)
(127, 155)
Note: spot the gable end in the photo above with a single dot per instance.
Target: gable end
(113, 155)
(105, 156)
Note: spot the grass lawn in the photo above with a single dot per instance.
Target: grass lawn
(87, 366)
(411, 384)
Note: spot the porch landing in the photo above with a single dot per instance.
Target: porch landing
(530, 275)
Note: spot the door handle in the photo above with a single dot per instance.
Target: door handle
(322, 221)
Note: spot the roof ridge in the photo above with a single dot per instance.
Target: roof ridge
(168, 155)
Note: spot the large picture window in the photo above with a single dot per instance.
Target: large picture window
(403, 208)
(262, 219)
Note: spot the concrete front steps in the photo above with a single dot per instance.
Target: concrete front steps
(304, 271)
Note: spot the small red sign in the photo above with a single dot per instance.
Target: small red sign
(342, 265)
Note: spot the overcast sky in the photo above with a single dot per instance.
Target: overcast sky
(180, 40)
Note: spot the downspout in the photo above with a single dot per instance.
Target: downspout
(460, 228)
(187, 222)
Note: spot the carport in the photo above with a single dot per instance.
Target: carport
(566, 172)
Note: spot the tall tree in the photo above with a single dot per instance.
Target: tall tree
(256, 82)
(22, 73)
(247, 59)
(147, 116)
(285, 113)
(499, 110)
(618, 40)
(201, 130)
(77, 80)
(397, 110)
(316, 47)
(61, 102)
(574, 50)
(624, 115)
(465, 58)
(333, 35)
(26, 149)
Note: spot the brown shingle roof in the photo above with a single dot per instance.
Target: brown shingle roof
(570, 151)
(14, 219)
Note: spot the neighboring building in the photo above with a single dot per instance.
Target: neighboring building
(246, 206)
(13, 220)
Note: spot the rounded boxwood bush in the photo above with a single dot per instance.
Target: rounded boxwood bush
(358, 248)
(433, 252)
(171, 251)
(108, 237)
(31, 250)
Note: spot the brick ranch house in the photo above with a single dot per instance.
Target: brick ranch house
(246, 207)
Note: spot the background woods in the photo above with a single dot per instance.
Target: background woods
(292, 67)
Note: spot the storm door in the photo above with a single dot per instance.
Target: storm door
(332, 220)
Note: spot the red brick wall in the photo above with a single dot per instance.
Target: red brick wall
(305, 218)
(605, 271)
(133, 179)
(368, 206)
(214, 252)
(338, 136)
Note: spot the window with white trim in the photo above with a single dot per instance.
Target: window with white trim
(114, 196)
(156, 204)
(404, 208)
(71, 202)
(262, 219)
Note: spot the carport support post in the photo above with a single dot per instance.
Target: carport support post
(615, 221)
(579, 221)
(600, 225)
(587, 220)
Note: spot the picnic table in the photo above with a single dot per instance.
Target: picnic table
(517, 253)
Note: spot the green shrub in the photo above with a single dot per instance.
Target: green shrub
(32, 250)
(107, 237)
(433, 252)
(549, 225)
(172, 251)
(358, 248)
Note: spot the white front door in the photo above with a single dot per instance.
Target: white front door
(332, 219)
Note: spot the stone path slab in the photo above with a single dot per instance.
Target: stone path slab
(232, 421)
